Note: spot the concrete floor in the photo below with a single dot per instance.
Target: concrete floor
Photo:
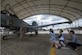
(33, 45)
(30, 46)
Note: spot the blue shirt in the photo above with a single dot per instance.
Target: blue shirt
(52, 36)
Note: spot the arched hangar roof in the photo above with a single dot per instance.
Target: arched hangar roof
(69, 9)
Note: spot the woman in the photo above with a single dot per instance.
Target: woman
(53, 39)
(74, 42)
(61, 39)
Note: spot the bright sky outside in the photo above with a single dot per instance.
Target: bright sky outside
(50, 19)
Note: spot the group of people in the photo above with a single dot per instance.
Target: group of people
(60, 41)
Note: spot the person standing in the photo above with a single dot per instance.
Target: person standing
(22, 32)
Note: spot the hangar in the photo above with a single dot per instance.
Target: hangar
(68, 9)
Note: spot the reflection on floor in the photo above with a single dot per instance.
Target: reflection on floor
(33, 45)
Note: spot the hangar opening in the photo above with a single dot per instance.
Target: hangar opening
(46, 19)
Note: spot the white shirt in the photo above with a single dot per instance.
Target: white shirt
(61, 38)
